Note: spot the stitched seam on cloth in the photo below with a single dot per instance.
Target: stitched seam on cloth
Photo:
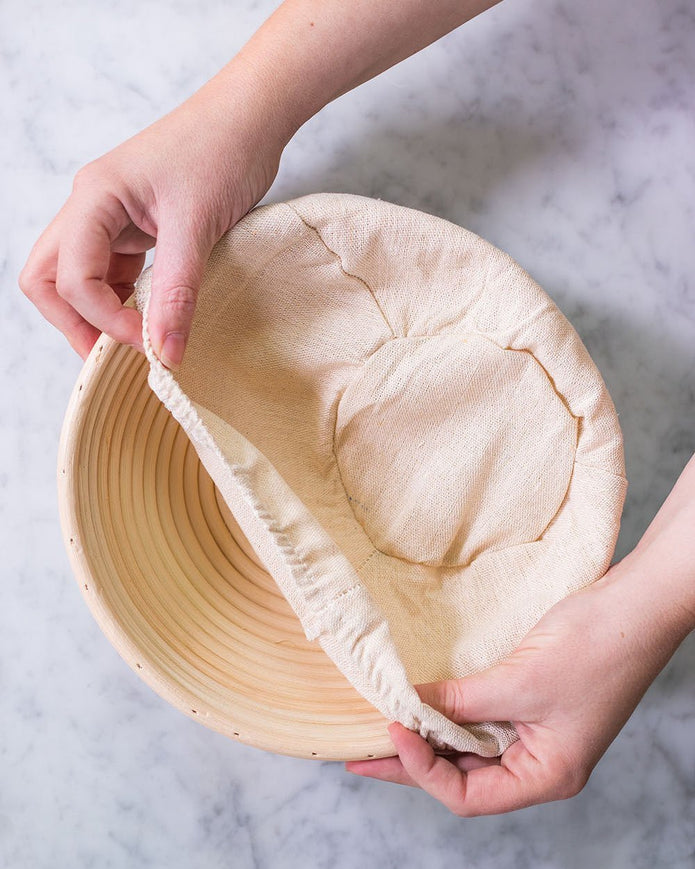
(562, 502)
(172, 395)
(369, 557)
(571, 477)
(436, 335)
(337, 466)
(557, 392)
(547, 374)
(337, 599)
(342, 267)
(602, 470)
(462, 564)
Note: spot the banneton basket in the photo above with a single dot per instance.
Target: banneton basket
(386, 454)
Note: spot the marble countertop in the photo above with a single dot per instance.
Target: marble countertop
(561, 132)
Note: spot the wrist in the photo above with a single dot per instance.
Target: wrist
(250, 96)
(664, 572)
(655, 592)
(241, 111)
(659, 573)
(308, 52)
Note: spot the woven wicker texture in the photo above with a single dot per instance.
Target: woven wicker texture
(180, 593)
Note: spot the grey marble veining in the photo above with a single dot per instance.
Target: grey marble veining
(561, 132)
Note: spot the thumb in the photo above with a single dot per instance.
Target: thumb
(491, 695)
(179, 262)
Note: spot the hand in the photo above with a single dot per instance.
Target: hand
(569, 687)
(188, 178)
(181, 183)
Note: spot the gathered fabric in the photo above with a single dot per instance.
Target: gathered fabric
(409, 432)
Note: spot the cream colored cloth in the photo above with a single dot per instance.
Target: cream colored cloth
(409, 432)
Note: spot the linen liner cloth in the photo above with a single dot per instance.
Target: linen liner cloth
(409, 432)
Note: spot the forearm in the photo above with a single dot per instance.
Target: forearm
(658, 576)
(311, 51)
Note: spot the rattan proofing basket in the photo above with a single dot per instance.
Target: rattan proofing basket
(179, 592)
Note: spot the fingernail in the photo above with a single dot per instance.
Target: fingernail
(173, 349)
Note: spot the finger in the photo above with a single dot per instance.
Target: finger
(392, 769)
(81, 335)
(179, 262)
(37, 282)
(516, 782)
(123, 271)
(383, 768)
(468, 762)
(434, 774)
(132, 240)
(84, 258)
(491, 695)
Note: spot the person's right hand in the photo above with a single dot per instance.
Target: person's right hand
(571, 684)
(182, 183)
